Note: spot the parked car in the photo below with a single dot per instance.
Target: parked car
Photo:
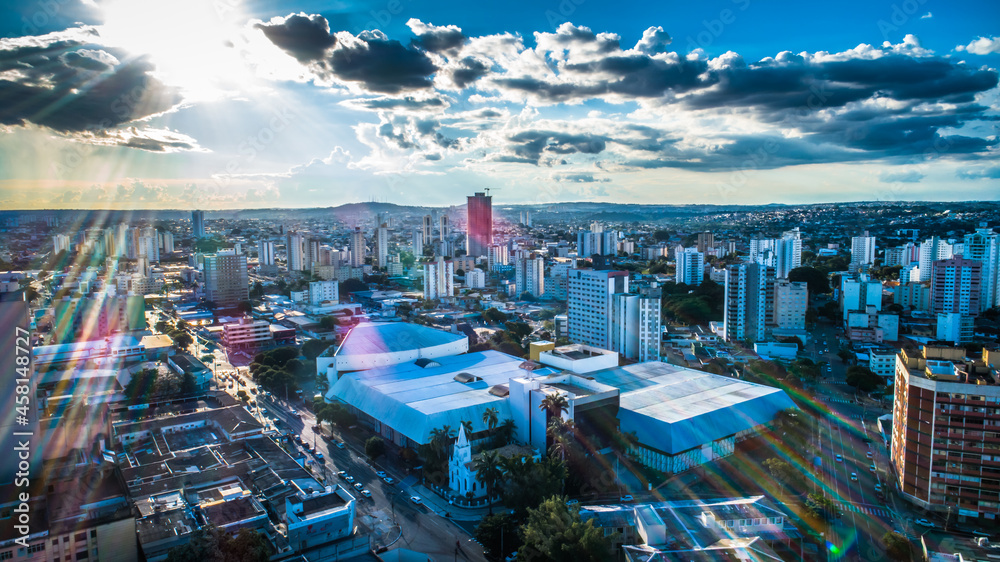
(416, 500)
(359, 486)
(319, 456)
(924, 523)
(380, 473)
(626, 498)
(366, 493)
(388, 480)
(340, 444)
(349, 478)
(342, 474)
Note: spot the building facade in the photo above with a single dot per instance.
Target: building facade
(690, 265)
(749, 302)
(479, 230)
(589, 304)
(227, 282)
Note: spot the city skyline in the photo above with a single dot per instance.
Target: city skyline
(301, 105)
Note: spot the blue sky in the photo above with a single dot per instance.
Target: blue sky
(229, 104)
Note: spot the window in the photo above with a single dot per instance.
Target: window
(32, 548)
(80, 537)
(82, 555)
(93, 533)
(6, 555)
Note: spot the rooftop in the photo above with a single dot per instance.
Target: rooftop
(370, 338)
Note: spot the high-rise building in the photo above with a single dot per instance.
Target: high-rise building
(943, 419)
(439, 279)
(310, 252)
(706, 241)
(529, 276)
(984, 246)
(931, 250)
(955, 286)
(265, 252)
(479, 234)
(589, 306)
(596, 242)
(498, 254)
(167, 242)
(60, 243)
(382, 245)
(636, 329)
(791, 299)
(784, 254)
(690, 265)
(427, 229)
(149, 248)
(527, 218)
(227, 282)
(862, 252)
(293, 247)
(323, 291)
(912, 296)
(475, 278)
(443, 230)
(859, 294)
(198, 224)
(902, 255)
(418, 243)
(749, 302)
(357, 247)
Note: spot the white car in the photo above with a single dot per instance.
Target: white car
(872, 468)
(626, 498)
(388, 480)
(878, 487)
(416, 500)
(366, 493)
(923, 523)
(839, 458)
(854, 476)
(868, 454)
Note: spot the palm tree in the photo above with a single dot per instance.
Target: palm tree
(555, 404)
(490, 417)
(506, 431)
(468, 428)
(559, 432)
(487, 467)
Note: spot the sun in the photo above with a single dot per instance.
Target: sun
(192, 43)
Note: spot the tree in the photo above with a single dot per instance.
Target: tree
(494, 316)
(211, 544)
(817, 280)
(313, 348)
(491, 417)
(182, 339)
(142, 385)
(505, 431)
(820, 506)
(487, 467)
(328, 322)
(845, 355)
(374, 447)
(804, 369)
(863, 379)
(781, 471)
(498, 531)
(518, 330)
(189, 385)
(527, 482)
(896, 546)
(162, 326)
(555, 532)
(352, 285)
(555, 404)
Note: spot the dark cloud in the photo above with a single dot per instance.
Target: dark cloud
(403, 103)
(579, 177)
(436, 39)
(468, 71)
(65, 86)
(529, 146)
(305, 37)
(382, 65)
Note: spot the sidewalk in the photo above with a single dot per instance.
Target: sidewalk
(440, 506)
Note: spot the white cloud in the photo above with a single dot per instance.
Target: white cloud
(982, 46)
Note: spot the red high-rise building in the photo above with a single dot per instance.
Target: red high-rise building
(479, 233)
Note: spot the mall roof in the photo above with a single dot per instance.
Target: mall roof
(414, 400)
(674, 409)
(370, 338)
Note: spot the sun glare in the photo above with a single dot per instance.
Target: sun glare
(191, 42)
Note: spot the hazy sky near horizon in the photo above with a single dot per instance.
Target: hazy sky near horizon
(246, 103)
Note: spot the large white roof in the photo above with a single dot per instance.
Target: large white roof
(415, 400)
